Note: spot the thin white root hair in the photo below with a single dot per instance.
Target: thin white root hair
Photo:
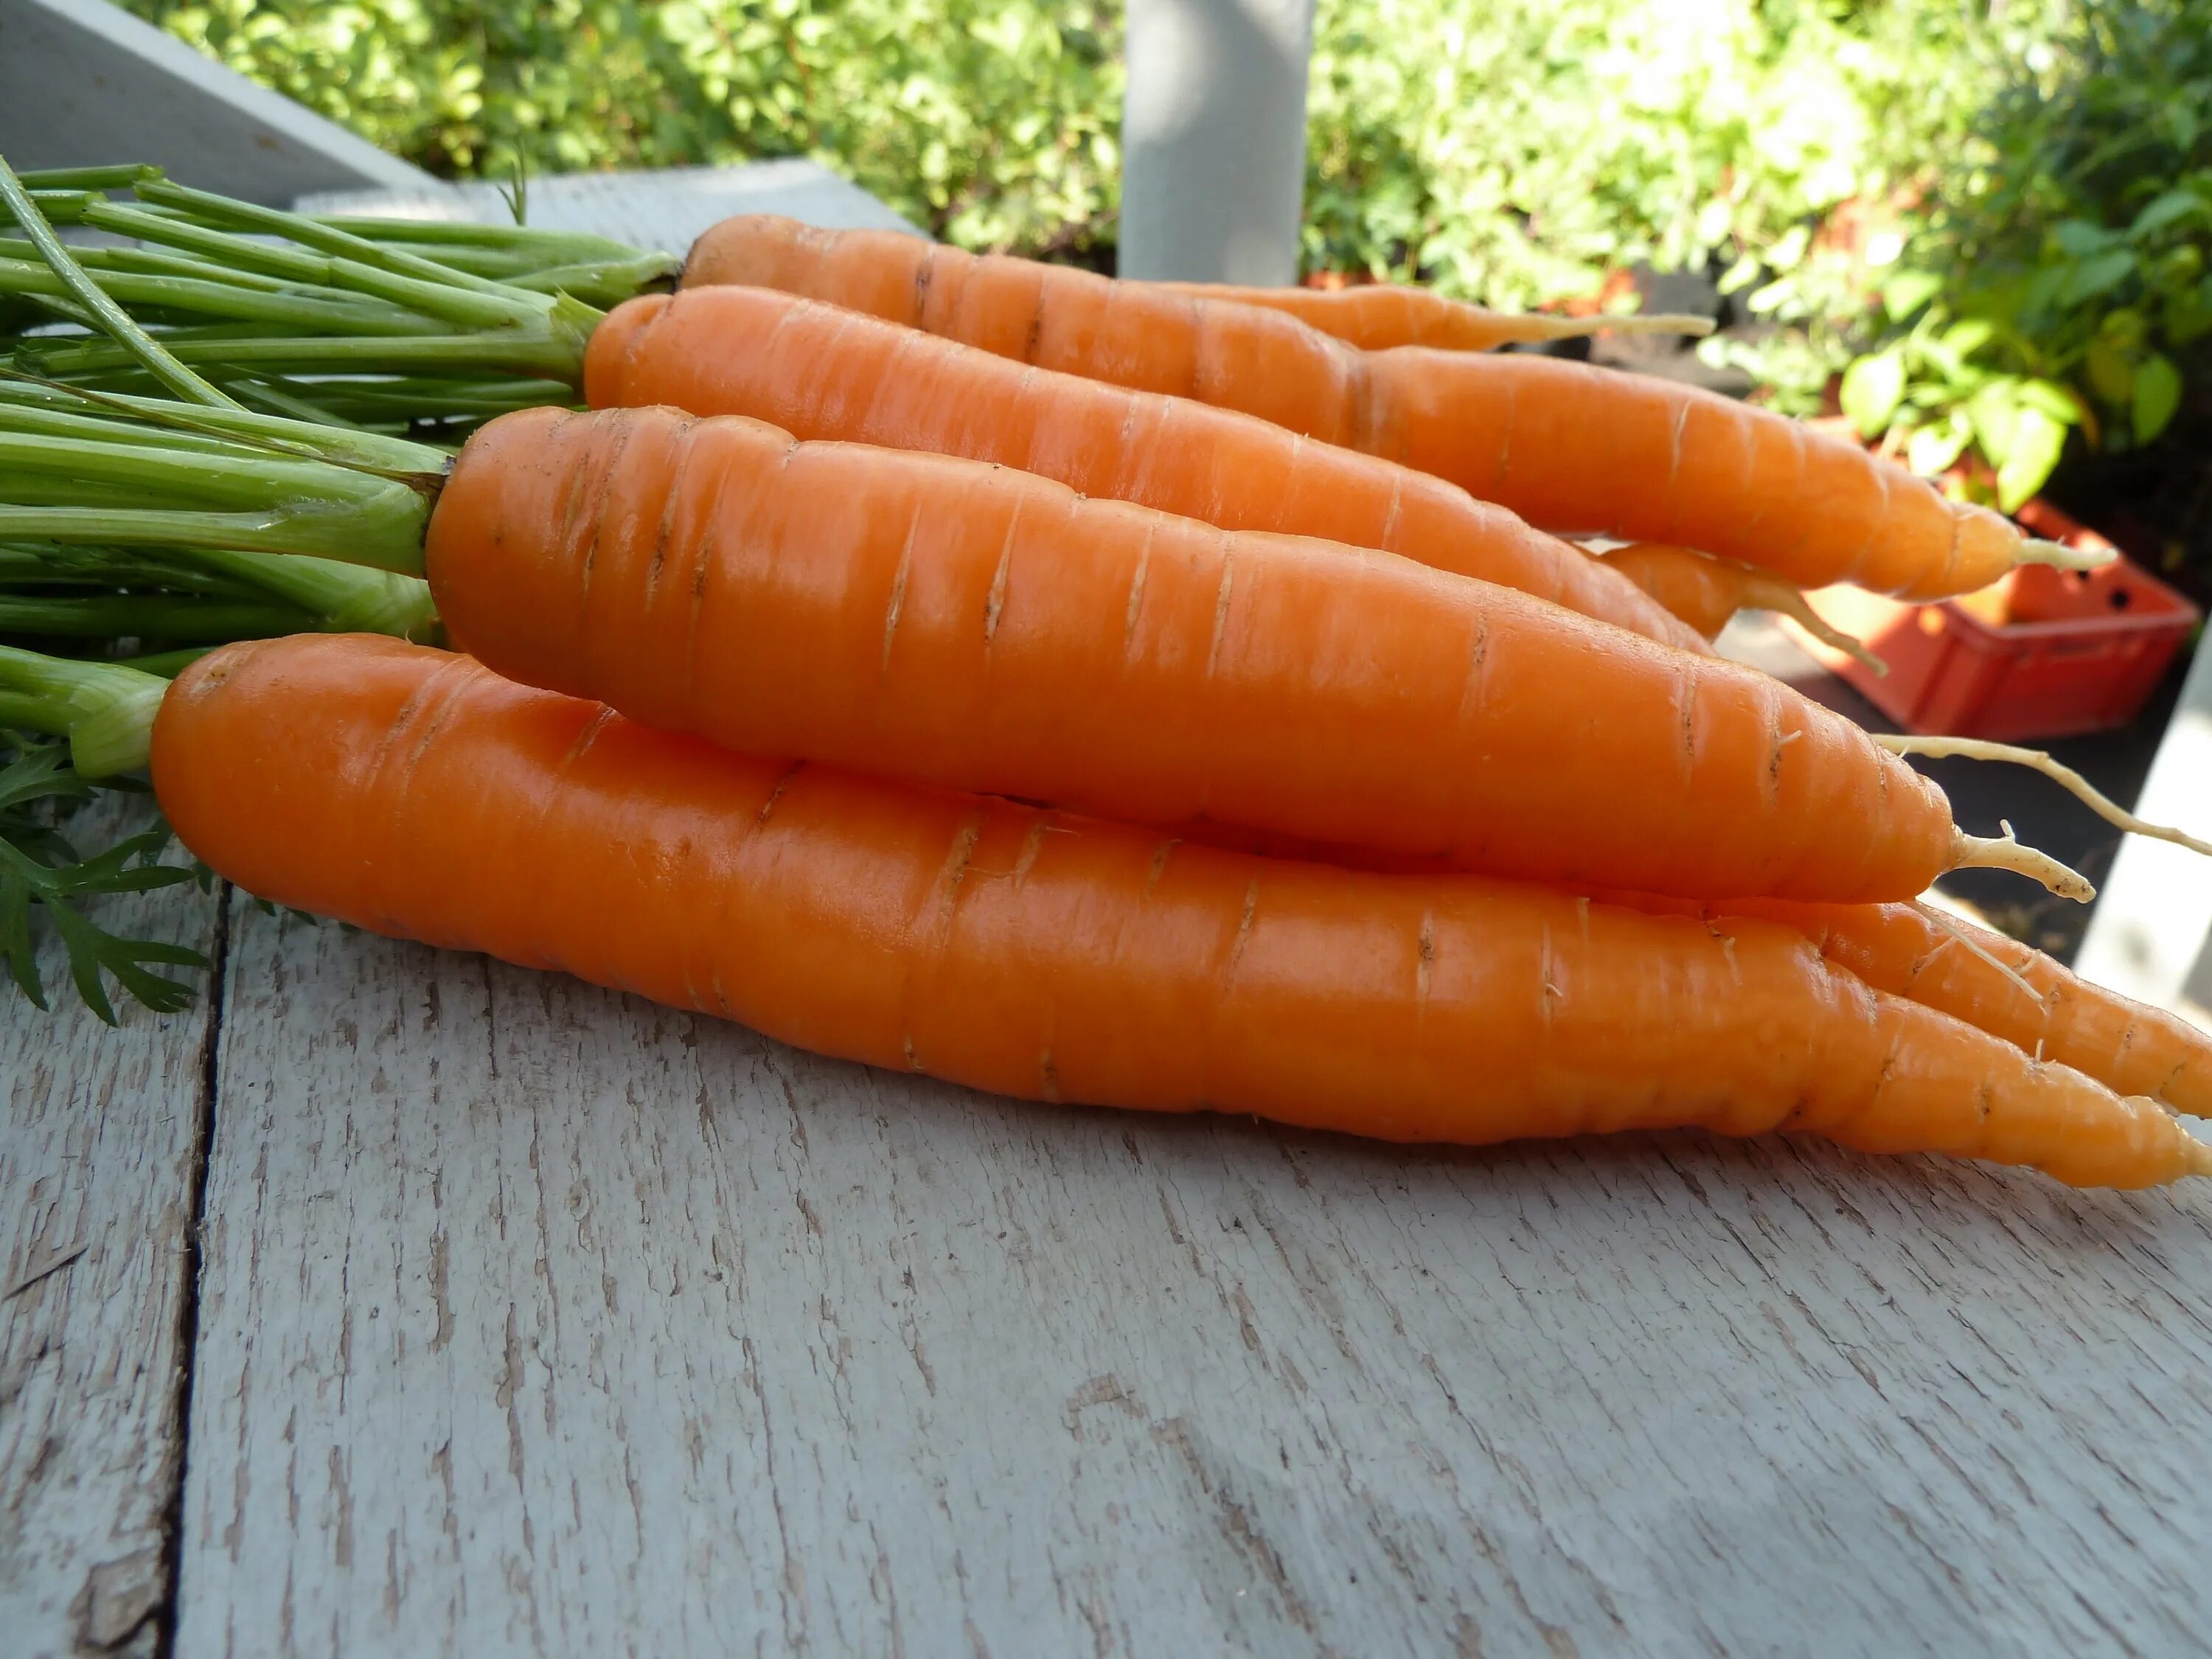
(2062, 557)
(2005, 852)
(2065, 777)
(1767, 594)
(1944, 924)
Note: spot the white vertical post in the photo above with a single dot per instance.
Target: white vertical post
(1213, 140)
(2151, 937)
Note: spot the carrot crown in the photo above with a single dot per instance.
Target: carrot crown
(142, 472)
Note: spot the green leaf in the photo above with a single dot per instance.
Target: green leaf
(1963, 339)
(2059, 402)
(2111, 371)
(1906, 292)
(1935, 447)
(2168, 208)
(2036, 443)
(2081, 238)
(1992, 412)
(1873, 387)
(2100, 274)
(41, 873)
(2157, 396)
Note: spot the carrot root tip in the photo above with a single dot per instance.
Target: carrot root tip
(2062, 557)
(2005, 851)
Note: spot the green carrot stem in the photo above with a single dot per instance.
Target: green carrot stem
(106, 711)
(385, 535)
(532, 246)
(311, 232)
(149, 616)
(188, 477)
(122, 176)
(557, 356)
(387, 457)
(335, 597)
(443, 296)
(325, 311)
(111, 318)
(148, 262)
(605, 284)
(55, 568)
(167, 664)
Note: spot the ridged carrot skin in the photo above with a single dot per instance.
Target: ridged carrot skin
(979, 628)
(1898, 949)
(1377, 316)
(2130, 1048)
(820, 371)
(1570, 448)
(1054, 958)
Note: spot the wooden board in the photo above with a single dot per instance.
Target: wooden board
(100, 1136)
(536, 1319)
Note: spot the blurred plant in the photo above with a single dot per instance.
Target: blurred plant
(1517, 151)
(2057, 280)
(991, 122)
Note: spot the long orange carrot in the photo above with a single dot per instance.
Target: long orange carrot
(1704, 592)
(1569, 447)
(1991, 982)
(1059, 959)
(1377, 316)
(976, 627)
(822, 372)
(980, 628)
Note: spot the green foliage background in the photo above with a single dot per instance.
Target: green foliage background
(1516, 149)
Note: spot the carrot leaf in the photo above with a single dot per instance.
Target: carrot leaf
(41, 871)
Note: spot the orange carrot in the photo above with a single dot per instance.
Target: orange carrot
(1704, 592)
(1054, 958)
(1994, 983)
(1904, 950)
(976, 627)
(981, 628)
(819, 372)
(1377, 316)
(1569, 447)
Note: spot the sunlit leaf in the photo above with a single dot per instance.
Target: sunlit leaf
(1871, 390)
(2033, 450)
(2157, 397)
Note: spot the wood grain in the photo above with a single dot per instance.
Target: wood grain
(538, 1320)
(100, 1143)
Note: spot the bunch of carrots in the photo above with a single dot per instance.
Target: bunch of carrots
(1092, 691)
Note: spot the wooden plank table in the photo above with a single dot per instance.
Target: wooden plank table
(527, 1317)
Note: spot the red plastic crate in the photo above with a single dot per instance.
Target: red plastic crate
(2042, 654)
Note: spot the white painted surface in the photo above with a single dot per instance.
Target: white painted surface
(2152, 934)
(100, 1140)
(1213, 139)
(538, 1320)
(663, 210)
(83, 82)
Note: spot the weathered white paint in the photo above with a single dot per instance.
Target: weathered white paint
(662, 209)
(2151, 936)
(539, 1320)
(83, 83)
(99, 1144)
(1213, 139)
